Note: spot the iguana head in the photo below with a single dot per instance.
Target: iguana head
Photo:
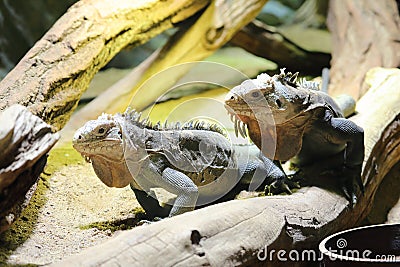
(101, 138)
(270, 100)
(100, 142)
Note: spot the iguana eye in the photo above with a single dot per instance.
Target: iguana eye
(101, 130)
(255, 94)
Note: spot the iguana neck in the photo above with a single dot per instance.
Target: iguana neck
(264, 137)
(281, 141)
(111, 173)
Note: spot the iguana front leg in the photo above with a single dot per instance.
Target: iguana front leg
(172, 181)
(280, 181)
(183, 187)
(150, 204)
(344, 130)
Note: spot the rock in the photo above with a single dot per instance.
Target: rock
(25, 140)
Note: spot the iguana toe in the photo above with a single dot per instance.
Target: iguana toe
(286, 188)
(350, 196)
(296, 177)
(144, 222)
(295, 185)
(351, 183)
(147, 222)
(283, 184)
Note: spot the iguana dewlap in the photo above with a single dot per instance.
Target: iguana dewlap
(292, 120)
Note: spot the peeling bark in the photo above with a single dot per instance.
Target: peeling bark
(236, 232)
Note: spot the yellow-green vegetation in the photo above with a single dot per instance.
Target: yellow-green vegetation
(22, 228)
(118, 225)
(60, 156)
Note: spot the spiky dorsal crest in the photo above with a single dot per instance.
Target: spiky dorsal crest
(135, 117)
(310, 85)
(105, 116)
(202, 125)
(293, 80)
(287, 78)
(265, 80)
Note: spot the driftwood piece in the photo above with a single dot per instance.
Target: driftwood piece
(365, 34)
(24, 141)
(238, 232)
(57, 70)
(266, 41)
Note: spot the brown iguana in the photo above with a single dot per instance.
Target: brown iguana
(290, 119)
(196, 162)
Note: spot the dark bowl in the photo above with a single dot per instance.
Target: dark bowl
(375, 245)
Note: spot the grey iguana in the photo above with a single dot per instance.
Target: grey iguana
(290, 119)
(196, 162)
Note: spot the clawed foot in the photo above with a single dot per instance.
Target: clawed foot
(280, 185)
(296, 176)
(351, 183)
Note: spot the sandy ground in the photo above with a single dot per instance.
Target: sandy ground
(70, 211)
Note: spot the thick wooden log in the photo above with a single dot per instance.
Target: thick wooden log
(240, 232)
(57, 70)
(24, 141)
(365, 34)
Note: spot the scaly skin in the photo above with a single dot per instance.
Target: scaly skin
(292, 120)
(196, 162)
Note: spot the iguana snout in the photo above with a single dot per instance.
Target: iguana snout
(246, 105)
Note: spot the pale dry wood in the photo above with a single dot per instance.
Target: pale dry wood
(235, 232)
(24, 141)
(57, 70)
(365, 34)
